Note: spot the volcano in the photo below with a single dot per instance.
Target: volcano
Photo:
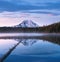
(27, 23)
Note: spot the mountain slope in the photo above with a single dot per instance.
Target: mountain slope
(55, 27)
(27, 23)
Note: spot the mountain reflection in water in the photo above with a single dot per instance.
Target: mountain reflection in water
(42, 48)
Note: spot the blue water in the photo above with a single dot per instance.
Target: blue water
(5, 45)
(31, 50)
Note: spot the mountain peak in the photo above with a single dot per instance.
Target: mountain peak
(27, 23)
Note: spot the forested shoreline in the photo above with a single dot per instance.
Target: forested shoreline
(53, 28)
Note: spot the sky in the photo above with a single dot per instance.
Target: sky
(42, 12)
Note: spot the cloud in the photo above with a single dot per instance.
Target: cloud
(14, 18)
(10, 6)
(53, 12)
(18, 5)
(13, 12)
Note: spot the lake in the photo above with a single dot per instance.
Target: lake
(29, 47)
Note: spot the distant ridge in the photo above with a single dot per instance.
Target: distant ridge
(27, 23)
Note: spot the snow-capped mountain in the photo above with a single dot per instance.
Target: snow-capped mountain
(27, 23)
(27, 42)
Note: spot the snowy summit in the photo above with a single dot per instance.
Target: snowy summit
(27, 23)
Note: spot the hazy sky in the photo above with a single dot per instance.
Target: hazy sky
(43, 12)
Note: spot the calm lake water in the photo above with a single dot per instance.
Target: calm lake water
(29, 47)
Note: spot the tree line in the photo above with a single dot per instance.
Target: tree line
(53, 28)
